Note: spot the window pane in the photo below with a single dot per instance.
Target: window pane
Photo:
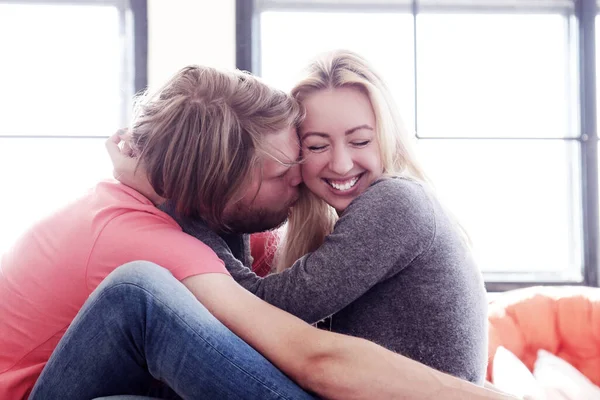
(39, 175)
(289, 40)
(495, 76)
(61, 70)
(519, 200)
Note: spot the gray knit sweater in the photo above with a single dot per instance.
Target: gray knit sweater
(395, 271)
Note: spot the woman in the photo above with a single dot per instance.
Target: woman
(415, 288)
(375, 250)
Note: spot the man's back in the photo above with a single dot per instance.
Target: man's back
(51, 270)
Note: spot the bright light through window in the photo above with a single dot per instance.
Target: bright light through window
(478, 76)
(289, 40)
(61, 70)
(519, 199)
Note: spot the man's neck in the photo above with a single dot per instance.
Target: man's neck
(239, 244)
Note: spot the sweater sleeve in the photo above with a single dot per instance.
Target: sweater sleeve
(380, 233)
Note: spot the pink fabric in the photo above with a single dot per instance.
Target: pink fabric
(51, 270)
(262, 249)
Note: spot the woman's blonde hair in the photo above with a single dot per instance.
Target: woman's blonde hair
(199, 136)
(312, 219)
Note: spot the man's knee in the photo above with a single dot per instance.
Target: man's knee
(138, 273)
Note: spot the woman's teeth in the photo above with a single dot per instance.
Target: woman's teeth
(344, 185)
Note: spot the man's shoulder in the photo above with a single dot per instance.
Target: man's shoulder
(118, 205)
(138, 235)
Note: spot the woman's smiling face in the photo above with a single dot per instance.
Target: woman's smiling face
(339, 145)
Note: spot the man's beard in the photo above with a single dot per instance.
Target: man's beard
(246, 219)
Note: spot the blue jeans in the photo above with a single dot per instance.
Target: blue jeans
(142, 326)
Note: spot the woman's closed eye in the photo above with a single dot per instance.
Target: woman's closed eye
(361, 143)
(317, 148)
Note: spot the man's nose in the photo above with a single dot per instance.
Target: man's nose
(295, 176)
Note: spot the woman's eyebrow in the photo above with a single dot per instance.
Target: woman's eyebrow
(357, 128)
(325, 135)
(320, 134)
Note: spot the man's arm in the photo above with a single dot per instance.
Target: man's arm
(332, 365)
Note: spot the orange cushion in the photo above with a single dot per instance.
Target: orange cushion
(562, 320)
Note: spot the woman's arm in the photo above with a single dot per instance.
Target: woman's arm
(332, 365)
(125, 167)
(380, 233)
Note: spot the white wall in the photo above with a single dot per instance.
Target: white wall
(183, 32)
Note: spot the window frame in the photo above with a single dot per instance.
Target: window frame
(584, 13)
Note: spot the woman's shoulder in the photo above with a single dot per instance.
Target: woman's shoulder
(394, 211)
(396, 198)
(398, 183)
(397, 190)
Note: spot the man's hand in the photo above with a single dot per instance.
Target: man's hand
(126, 169)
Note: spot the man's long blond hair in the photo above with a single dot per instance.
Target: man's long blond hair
(312, 219)
(200, 135)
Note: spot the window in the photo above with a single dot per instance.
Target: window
(493, 90)
(489, 107)
(67, 77)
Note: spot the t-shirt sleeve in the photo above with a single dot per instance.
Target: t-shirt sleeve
(143, 236)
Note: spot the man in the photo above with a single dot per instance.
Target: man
(218, 146)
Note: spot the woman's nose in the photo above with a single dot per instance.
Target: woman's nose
(341, 161)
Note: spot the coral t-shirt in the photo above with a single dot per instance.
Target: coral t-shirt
(48, 274)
